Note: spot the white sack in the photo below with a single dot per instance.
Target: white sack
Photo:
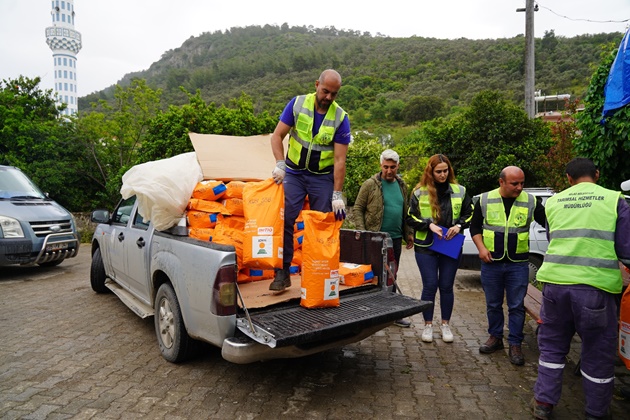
(163, 188)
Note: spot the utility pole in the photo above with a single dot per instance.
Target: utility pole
(530, 8)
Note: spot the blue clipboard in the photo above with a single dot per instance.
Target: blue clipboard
(451, 248)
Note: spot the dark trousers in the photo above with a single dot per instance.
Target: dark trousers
(592, 313)
(319, 189)
(397, 245)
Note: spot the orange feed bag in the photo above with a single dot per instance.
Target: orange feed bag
(355, 274)
(263, 204)
(320, 260)
(209, 190)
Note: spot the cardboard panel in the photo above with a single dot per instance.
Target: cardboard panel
(228, 158)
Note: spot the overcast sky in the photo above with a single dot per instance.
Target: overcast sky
(124, 36)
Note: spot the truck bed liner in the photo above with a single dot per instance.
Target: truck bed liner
(296, 325)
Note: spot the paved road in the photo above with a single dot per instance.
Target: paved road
(66, 352)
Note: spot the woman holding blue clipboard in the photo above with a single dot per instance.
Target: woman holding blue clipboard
(439, 211)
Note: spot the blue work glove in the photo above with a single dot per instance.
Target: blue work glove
(278, 172)
(338, 206)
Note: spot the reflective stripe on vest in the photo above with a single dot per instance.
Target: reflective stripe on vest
(315, 154)
(422, 194)
(507, 237)
(582, 222)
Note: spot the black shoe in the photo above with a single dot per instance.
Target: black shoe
(493, 344)
(281, 281)
(541, 410)
(402, 323)
(516, 355)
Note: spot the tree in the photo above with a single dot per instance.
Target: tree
(362, 162)
(35, 138)
(486, 137)
(28, 117)
(563, 134)
(168, 131)
(111, 136)
(604, 140)
(423, 108)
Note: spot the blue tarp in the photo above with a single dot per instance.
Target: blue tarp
(617, 88)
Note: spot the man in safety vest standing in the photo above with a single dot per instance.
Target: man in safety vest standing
(588, 231)
(315, 163)
(500, 229)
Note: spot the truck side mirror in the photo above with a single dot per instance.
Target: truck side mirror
(100, 216)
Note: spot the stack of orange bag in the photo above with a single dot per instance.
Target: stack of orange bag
(203, 209)
(210, 220)
(298, 239)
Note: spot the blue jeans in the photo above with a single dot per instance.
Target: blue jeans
(509, 279)
(297, 186)
(438, 273)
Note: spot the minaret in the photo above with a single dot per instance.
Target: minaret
(65, 44)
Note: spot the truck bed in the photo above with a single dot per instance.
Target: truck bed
(291, 324)
(278, 320)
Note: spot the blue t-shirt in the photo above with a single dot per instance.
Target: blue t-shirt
(342, 135)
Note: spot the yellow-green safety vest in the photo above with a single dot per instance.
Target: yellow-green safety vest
(507, 237)
(315, 154)
(582, 221)
(424, 206)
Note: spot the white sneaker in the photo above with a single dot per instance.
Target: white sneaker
(427, 334)
(447, 335)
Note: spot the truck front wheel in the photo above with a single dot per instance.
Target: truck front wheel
(97, 273)
(171, 332)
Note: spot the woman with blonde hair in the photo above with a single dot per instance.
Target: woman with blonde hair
(438, 201)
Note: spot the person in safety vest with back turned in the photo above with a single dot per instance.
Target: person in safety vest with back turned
(315, 163)
(589, 232)
(500, 230)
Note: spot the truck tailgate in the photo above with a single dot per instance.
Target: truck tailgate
(296, 325)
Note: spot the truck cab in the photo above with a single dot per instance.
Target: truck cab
(34, 229)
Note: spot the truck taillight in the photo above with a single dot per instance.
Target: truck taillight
(224, 302)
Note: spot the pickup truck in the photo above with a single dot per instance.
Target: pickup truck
(190, 288)
(34, 229)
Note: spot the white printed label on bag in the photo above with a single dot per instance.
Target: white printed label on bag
(262, 246)
(331, 289)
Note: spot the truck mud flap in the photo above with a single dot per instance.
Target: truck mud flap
(299, 326)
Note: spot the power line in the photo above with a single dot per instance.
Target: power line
(585, 20)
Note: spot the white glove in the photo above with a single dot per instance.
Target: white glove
(338, 206)
(279, 171)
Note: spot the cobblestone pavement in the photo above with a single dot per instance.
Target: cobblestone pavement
(66, 352)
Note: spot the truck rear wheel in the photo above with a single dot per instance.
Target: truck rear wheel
(97, 273)
(171, 332)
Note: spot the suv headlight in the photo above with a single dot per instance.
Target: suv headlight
(10, 228)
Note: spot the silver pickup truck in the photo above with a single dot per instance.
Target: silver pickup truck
(190, 287)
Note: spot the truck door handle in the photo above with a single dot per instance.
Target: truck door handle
(121, 237)
(140, 242)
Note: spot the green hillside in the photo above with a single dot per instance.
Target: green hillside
(271, 64)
